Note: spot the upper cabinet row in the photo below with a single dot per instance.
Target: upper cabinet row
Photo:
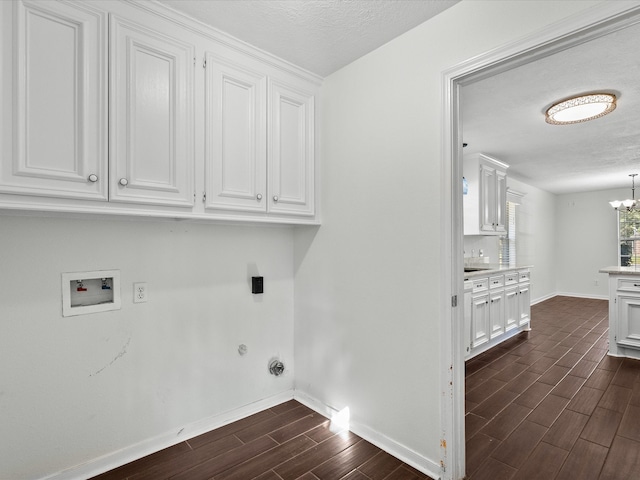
(120, 110)
(484, 195)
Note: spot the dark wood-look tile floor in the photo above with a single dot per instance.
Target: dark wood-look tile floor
(551, 404)
(286, 442)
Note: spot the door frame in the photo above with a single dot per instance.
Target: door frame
(592, 23)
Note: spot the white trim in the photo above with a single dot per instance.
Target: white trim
(401, 452)
(592, 23)
(580, 295)
(179, 434)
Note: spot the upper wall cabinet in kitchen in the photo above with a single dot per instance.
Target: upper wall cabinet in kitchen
(176, 120)
(485, 200)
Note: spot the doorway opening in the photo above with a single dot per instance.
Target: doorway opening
(592, 24)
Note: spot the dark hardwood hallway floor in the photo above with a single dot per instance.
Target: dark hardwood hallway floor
(550, 404)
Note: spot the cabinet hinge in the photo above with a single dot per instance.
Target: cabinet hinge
(194, 61)
(454, 301)
(204, 197)
(204, 62)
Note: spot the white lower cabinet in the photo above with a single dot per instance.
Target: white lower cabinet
(624, 316)
(125, 104)
(499, 307)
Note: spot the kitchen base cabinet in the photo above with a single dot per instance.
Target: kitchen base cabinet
(624, 312)
(498, 306)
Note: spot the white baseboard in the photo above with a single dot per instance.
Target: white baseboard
(563, 294)
(401, 452)
(580, 295)
(180, 434)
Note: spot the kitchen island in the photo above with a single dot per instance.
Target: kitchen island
(624, 311)
(497, 305)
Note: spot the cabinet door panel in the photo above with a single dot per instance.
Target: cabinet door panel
(511, 310)
(628, 328)
(291, 150)
(496, 313)
(501, 202)
(151, 116)
(236, 137)
(488, 198)
(524, 303)
(60, 102)
(479, 320)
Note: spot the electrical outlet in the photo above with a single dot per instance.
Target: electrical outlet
(140, 292)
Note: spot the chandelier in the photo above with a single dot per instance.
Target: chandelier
(629, 204)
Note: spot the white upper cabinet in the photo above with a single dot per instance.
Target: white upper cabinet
(59, 108)
(126, 108)
(291, 150)
(236, 136)
(151, 116)
(485, 203)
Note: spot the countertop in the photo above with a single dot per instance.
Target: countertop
(489, 269)
(634, 270)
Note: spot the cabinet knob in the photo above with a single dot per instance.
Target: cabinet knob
(93, 178)
(124, 182)
(275, 198)
(259, 196)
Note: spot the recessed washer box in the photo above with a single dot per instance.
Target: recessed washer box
(90, 292)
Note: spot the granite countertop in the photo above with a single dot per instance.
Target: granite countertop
(488, 269)
(634, 270)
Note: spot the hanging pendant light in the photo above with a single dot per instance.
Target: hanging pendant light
(631, 203)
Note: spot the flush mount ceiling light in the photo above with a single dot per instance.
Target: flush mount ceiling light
(628, 204)
(581, 109)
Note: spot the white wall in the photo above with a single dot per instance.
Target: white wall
(76, 388)
(368, 281)
(587, 241)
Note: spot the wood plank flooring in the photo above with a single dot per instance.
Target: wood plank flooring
(286, 442)
(547, 404)
(550, 404)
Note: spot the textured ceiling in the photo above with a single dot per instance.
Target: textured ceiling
(503, 116)
(321, 36)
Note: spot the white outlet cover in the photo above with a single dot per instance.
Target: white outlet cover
(140, 292)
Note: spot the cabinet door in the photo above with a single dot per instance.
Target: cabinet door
(511, 308)
(500, 224)
(479, 319)
(628, 328)
(291, 150)
(487, 198)
(236, 137)
(496, 312)
(59, 104)
(524, 304)
(151, 123)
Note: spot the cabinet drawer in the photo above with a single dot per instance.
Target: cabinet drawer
(510, 278)
(480, 285)
(523, 275)
(496, 281)
(629, 284)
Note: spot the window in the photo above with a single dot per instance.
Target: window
(629, 237)
(507, 254)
